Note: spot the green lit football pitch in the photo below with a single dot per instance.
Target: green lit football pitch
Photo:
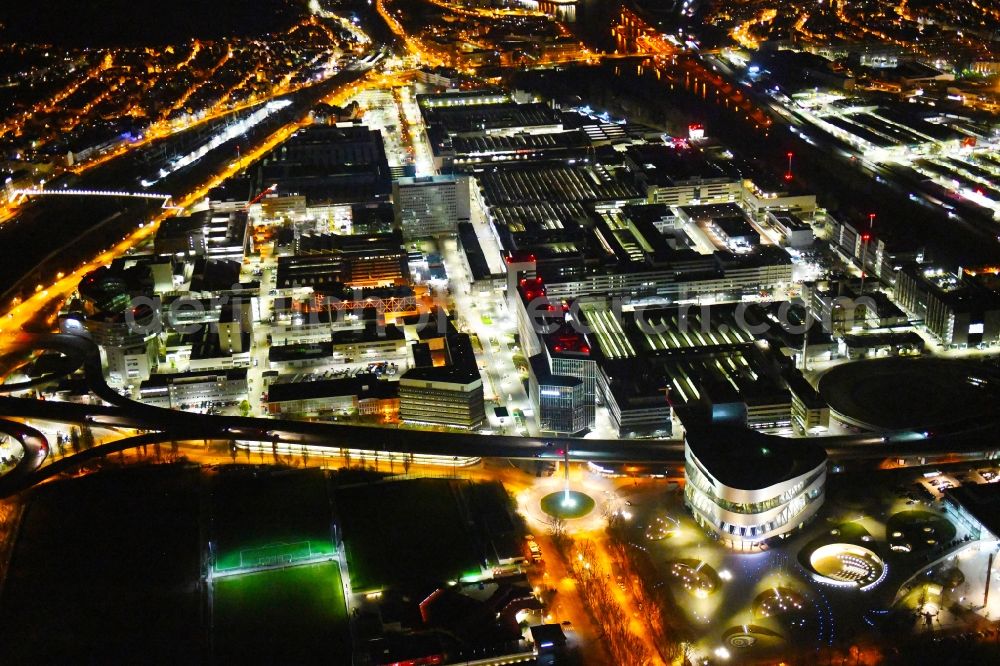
(269, 520)
(273, 555)
(289, 615)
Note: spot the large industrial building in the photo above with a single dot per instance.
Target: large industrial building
(360, 260)
(883, 254)
(960, 310)
(596, 210)
(327, 165)
(361, 395)
(485, 113)
(205, 234)
(195, 390)
(680, 176)
(634, 251)
(642, 363)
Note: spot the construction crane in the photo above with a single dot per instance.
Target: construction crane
(263, 193)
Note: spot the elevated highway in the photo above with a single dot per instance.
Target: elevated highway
(967, 438)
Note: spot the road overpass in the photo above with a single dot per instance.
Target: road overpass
(970, 438)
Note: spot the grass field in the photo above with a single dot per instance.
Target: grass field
(404, 532)
(918, 531)
(104, 571)
(290, 615)
(269, 517)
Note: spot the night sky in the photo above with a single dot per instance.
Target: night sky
(116, 22)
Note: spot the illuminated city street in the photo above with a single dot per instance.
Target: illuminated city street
(412, 332)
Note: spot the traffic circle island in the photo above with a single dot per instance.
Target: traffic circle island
(567, 504)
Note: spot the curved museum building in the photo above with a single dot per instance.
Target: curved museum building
(745, 487)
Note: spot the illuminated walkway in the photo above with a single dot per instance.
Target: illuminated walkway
(90, 193)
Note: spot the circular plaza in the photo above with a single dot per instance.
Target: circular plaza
(745, 636)
(847, 564)
(777, 602)
(918, 531)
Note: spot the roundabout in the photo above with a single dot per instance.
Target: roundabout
(22, 451)
(568, 505)
(591, 501)
(11, 453)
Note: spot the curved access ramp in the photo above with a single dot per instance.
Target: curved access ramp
(32, 341)
(36, 449)
(69, 463)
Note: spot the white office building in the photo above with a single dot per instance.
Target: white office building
(431, 205)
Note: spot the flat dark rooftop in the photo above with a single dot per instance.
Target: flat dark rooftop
(234, 374)
(473, 251)
(666, 165)
(363, 385)
(540, 368)
(369, 333)
(553, 141)
(749, 460)
(982, 501)
(479, 117)
(299, 352)
(554, 182)
(462, 366)
(714, 211)
(918, 393)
